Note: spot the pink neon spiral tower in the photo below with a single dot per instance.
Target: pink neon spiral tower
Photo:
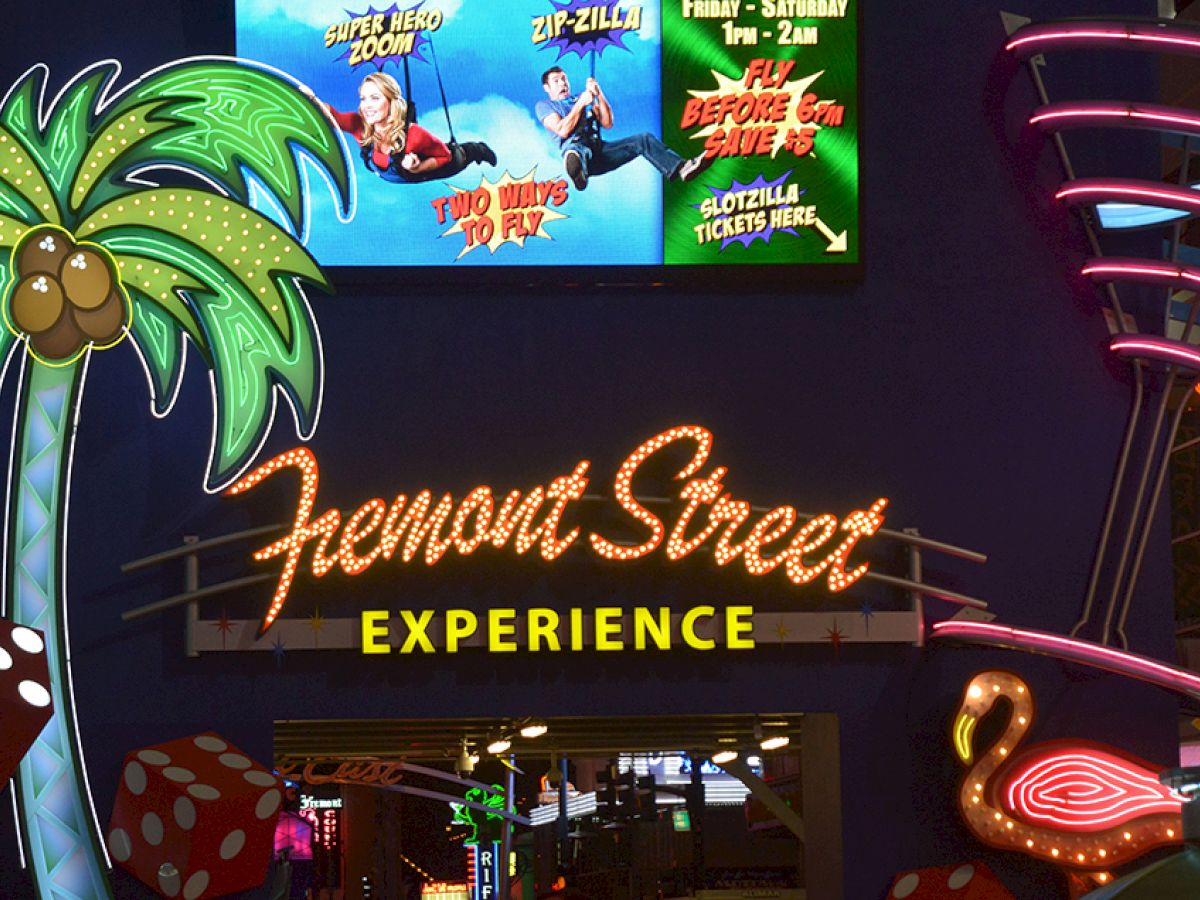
(1167, 361)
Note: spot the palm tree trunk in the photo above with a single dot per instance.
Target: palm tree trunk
(58, 825)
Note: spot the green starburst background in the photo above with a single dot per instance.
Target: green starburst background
(828, 174)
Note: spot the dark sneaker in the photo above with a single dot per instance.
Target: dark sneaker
(487, 154)
(691, 168)
(575, 169)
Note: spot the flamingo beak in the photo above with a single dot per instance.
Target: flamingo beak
(964, 729)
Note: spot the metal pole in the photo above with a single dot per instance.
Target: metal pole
(918, 599)
(506, 833)
(564, 827)
(1138, 499)
(696, 813)
(1155, 495)
(191, 584)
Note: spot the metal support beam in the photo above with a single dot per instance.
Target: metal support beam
(821, 784)
(564, 824)
(763, 794)
(506, 832)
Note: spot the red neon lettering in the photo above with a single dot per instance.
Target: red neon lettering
(351, 563)
(768, 529)
(302, 529)
(796, 570)
(516, 515)
(377, 531)
(860, 524)
(624, 493)
(735, 512)
(479, 504)
(697, 492)
(563, 490)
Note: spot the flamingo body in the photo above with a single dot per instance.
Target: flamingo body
(1080, 805)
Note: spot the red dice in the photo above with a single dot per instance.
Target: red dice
(25, 705)
(969, 881)
(195, 818)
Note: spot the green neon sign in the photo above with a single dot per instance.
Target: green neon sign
(466, 815)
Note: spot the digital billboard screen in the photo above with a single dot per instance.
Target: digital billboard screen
(542, 135)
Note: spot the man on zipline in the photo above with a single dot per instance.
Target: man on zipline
(576, 121)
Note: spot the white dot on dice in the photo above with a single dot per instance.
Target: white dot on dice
(267, 804)
(204, 792)
(234, 761)
(135, 778)
(185, 813)
(152, 829)
(120, 845)
(154, 757)
(168, 879)
(28, 640)
(33, 693)
(233, 844)
(195, 885)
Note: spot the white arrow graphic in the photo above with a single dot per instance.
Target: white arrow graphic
(837, 242)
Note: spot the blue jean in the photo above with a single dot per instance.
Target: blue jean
(611, 155)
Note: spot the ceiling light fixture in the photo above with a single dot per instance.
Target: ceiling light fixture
(499, 745)
(533, 729)
(725, 756)
(465, 764)
(775, 742)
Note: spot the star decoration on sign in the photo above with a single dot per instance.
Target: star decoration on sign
(316, 622)
(835, 637)
(866, 612)
(223, 625)
(792, 118)
(278, 649)
(782, 630)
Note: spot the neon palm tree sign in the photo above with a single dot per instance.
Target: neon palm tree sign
(94, 249)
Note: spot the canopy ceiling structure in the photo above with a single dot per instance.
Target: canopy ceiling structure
(431, 740)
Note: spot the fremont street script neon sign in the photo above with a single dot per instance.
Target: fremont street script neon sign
(378, 530)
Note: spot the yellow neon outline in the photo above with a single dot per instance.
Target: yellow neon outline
(964, 729)
(12, 283)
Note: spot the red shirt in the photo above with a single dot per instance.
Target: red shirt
(417, 140)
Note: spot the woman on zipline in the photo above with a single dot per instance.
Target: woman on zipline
(392, 148)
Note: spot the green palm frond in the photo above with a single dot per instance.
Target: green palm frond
(159, 341)
(107, 159)
(198, 266)
(58, 148)
(25, 193)
(218, 119)
(226, 276)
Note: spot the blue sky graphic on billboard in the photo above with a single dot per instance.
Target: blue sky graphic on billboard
(660, 107)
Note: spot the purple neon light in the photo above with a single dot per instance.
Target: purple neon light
(1153, 36)
(1075, 650)
(1149, 347)
(1129, 190)
(1060, 116)
(1120, 268)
